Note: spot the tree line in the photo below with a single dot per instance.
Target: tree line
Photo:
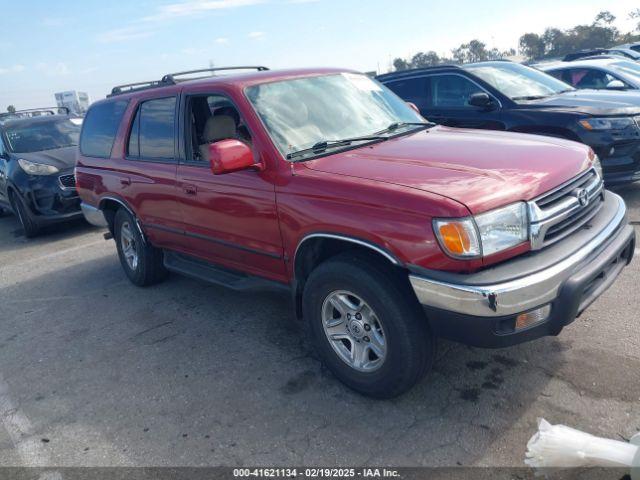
(553, 42)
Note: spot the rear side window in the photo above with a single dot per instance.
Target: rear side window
(100, 127)
(153, 131)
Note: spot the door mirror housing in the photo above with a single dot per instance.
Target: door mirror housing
(227, 156)
(482, 100)
(616, 85)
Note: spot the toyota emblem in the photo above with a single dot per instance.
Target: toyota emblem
(583, 197)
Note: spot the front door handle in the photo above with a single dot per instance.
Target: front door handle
(190, 189)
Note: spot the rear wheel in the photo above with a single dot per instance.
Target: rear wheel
(367, 326)
(142, 262)
(29, 227)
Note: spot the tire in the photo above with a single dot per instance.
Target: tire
(142, 262)
(388, 311)
(29, 227)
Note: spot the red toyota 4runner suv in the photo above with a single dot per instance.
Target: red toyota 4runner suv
(388, 231)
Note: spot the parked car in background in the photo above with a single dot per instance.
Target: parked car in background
(386, 230)
(630, 46)
(596, 74)
(622, 51)
(508, 96)
(37, 158)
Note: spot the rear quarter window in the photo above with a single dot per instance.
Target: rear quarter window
(100, 127)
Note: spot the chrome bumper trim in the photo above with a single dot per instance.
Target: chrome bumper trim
(512, 296)
(93, 215)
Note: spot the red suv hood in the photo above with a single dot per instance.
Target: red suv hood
(481, 169)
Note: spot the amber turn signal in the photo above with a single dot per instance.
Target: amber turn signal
(458, 237)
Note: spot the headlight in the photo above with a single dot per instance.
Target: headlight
(33, 168)
(598, 166)
(484, 234)
(619, 123)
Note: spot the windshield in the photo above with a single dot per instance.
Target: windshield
(302, 112)
(38, 136)
(518, 82)
(631, 68)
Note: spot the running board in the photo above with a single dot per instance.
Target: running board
(202, 270)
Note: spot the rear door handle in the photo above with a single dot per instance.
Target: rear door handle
(125, 182)
(190, 189)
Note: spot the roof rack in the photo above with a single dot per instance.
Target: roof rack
(170, 77)
(133, 87)
(34, 112)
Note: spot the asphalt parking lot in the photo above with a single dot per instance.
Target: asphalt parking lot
(97, 372)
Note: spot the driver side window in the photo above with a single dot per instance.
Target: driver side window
(212, 118)
(452, 91)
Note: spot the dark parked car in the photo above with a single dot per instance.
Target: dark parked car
(37, 158)
(509, 96)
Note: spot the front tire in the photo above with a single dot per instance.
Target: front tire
(367, 326)
(142, 262)
(29, 227)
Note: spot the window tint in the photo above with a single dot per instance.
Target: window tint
(451, 91)
(414, 90)
(100, 127)
(152, 133)
(588, 78)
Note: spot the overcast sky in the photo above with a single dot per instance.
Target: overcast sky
(49, 46)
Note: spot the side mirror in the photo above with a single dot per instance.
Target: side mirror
(481, 99)
(414, 107)
(616, 85)
(228, 156)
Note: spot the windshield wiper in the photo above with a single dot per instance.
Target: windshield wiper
(531, 97)
(396, 125)
(324, 145)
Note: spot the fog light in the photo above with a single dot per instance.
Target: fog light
(528, 319)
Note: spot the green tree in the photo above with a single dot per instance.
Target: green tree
(400, 64)
(474, 51)
(531, 45)
(604, 18)
(11, 109)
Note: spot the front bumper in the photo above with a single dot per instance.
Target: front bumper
(619, 155)
(481, 309)
(47, 199)
(93, 215)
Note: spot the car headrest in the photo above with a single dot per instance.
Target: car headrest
(219, 127)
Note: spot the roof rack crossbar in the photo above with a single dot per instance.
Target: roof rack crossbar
(132, 87)
(170, 77)
(50, 110)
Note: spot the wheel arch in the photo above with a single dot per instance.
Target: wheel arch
(315, 248)
(109, 205)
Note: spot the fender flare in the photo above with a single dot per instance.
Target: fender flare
(128, 209)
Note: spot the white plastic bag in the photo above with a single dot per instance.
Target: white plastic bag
(559, 446)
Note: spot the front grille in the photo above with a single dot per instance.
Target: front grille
(564, 210)
(67, 181)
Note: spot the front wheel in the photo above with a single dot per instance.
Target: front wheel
(142, 262)
(367, 326)
(29, 227)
